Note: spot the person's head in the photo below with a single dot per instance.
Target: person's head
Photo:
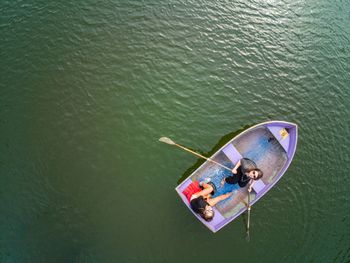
(255, 174)
(208, 213)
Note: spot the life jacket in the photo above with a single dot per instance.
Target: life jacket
(191, 190)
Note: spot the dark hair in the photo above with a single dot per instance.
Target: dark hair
(207, 217)
(198, 205)
(260, 173)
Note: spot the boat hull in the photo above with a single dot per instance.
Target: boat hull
(271, 145)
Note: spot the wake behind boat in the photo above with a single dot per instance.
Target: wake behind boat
(271, 145)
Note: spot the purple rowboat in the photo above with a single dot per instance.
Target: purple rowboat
(271, 145)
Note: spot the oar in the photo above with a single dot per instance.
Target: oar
(249, 207)
(169, 141)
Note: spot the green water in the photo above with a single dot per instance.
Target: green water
(88, 87)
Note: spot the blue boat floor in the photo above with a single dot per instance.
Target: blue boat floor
(258, 145)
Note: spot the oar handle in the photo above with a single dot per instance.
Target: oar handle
(199, 155)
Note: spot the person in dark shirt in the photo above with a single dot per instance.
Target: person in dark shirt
(245, 171)
(202, 203)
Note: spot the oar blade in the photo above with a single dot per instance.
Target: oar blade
(247, 238)
(166, 140)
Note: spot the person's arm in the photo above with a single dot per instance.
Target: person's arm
(251, 186)
(214, 201)
(232, 179)
(234, 170)
(207, 190)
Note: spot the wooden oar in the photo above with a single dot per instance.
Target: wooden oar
(249, 208)
(169, 141)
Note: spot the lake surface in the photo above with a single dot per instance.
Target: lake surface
(88, 87)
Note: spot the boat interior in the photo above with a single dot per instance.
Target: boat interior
(259, 145)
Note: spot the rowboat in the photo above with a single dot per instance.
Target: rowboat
(271, 145)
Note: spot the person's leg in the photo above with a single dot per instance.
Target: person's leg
(207, 190)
